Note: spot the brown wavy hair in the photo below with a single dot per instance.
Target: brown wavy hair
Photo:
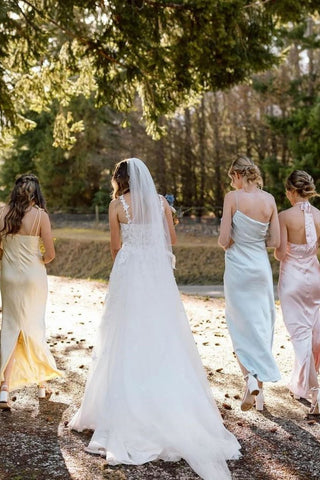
(301, 182)
(120, 179)
(26, 192)
(248, 169)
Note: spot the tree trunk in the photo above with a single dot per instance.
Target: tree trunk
(202, 156)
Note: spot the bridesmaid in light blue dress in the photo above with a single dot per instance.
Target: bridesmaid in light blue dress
(249, 224)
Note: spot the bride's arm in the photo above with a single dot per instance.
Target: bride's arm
(115, 236)
(168, 214)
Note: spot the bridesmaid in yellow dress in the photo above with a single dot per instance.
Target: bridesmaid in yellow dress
(24, 355)
(299, 284)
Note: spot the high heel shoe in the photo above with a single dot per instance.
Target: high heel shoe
(260, 401)
(252, 390)
(4, 397)
(315, 407)
(43, 391)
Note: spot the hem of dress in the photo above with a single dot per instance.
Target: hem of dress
(299, 393)
(46, 378)
(262, 378)
(98, 449)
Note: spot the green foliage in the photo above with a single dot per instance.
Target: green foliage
(73, 145)
(167, 52)
(69, 177)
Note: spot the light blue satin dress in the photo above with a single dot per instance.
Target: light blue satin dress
(248, 286)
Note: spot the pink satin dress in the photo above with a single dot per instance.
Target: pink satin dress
(299, 293)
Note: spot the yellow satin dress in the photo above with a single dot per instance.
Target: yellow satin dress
(24, 292)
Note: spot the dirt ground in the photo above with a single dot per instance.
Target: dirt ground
(281, 442)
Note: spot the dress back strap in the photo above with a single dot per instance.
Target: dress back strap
(310, 228)
(125, 207)
(35, 229)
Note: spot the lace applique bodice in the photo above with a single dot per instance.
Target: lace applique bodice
(125, 208)
(135, 236)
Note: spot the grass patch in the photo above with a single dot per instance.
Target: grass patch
(81, 234)
(85, 253)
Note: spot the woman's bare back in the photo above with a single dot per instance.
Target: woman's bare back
(257, 204)
(295, 224)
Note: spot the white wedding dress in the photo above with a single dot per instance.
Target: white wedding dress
(147, 395)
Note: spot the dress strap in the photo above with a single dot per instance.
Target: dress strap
(36, 222)
(125, 208)
(310, 229)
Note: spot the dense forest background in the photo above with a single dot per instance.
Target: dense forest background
(273, 117)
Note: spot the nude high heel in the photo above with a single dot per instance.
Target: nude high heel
(315, 407)
(252, 390)
(44, 391)
(4, 397)
(41, 391)
(260, 401)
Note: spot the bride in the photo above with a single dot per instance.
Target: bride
(147, 396)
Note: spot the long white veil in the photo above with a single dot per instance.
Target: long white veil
(148, 210)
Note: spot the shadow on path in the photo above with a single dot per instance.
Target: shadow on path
(29, 446)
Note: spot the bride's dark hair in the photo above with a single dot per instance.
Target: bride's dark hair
(26, 192)
(120, 179)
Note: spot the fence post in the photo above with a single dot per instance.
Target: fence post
(97, 213)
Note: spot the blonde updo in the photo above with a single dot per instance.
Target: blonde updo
(301, 182)
(245, 167)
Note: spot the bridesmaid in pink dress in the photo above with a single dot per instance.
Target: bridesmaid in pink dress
(299, 284)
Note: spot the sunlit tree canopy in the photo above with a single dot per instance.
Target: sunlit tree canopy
(166, 52)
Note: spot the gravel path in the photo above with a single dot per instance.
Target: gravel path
(35, 442)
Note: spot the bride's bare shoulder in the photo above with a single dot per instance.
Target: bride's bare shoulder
(114, 204)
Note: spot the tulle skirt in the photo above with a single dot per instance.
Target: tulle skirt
(147, 395)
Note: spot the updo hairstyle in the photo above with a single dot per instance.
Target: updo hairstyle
(120, 179)
(245, 167)
(301, 182)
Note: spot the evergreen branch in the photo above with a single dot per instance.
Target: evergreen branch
(154, 3)
(28, 21)
(82, 40)
(258, 3)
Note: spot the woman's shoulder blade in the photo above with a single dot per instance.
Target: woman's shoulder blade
(268, 196)
(230, 196)
(316, 213)
(114, 202)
